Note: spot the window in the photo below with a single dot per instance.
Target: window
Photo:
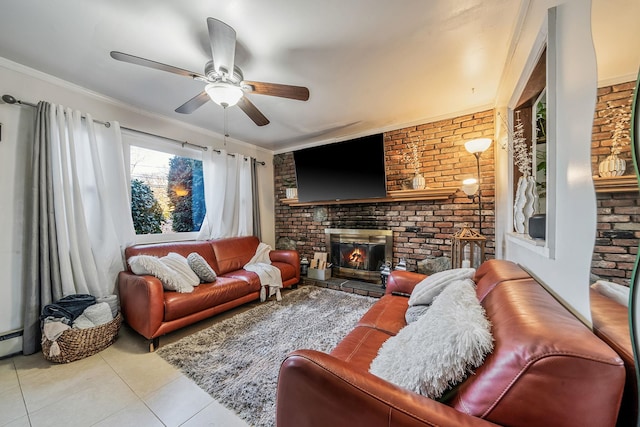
(167, 189)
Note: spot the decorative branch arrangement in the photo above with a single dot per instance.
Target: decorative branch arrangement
(621, 117)
(522, 153)
(412, 159)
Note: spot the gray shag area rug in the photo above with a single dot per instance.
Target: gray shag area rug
(237, 361)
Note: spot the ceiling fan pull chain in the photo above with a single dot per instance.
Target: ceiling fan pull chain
(226, 127)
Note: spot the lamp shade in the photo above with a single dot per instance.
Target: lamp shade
(470, 186)
(224, 94)
(479, 145)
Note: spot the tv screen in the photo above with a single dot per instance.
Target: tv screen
(351, 169)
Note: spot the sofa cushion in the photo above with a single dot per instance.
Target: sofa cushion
(200, 266)
(171, 279)
(205, 296)
(386, 315)
(233, 253)
(181, 266)
(493, 272)
(360, 346)
(440, 348)
(431, 286)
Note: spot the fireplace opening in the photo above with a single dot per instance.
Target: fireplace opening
(359, 254)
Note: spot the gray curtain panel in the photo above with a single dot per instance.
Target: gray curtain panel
(42, 284)
(254, 194)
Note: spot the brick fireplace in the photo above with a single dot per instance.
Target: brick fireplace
(359, 253)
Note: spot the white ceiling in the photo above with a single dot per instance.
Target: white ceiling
(370, 65)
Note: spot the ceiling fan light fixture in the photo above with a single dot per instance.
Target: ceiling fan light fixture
(224, 94)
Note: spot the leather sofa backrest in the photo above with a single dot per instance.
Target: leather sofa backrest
(233, 253)
(611, 324)
(493, 272)
(543, 358)
(203, 247)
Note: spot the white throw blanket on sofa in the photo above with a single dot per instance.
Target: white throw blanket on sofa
(269, 275)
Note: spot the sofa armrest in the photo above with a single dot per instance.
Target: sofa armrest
(317, 389)
(403, 281)
(287, 256)
(141, 302)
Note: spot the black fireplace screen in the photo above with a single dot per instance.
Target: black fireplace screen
(358, 256)
(359, 253)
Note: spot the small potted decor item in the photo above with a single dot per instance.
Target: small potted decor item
(413, 160)
(291, 192)
(613, 165)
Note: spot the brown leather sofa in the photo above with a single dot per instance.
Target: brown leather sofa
(611, 324)
(547, 368)
(153, 312)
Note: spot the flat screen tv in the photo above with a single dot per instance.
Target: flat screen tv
(345, 170)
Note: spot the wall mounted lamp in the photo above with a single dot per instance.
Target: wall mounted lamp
(471, 186)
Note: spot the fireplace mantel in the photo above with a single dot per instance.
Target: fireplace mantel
(442, 193)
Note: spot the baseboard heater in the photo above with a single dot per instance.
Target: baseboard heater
(11, 334)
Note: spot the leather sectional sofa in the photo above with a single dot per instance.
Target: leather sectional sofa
(153, 312)
(547, 368)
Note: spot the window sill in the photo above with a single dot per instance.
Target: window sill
(142, 239)
(534, 245)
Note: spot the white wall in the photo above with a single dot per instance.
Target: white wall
(32, 86)
(564, 266)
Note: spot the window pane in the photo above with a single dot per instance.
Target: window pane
(167, 192)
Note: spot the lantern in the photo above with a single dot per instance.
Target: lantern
(467, 248)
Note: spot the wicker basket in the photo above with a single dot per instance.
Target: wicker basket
(76, 344)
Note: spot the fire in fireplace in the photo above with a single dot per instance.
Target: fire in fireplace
(358, 253)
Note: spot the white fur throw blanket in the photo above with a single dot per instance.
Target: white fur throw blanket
(269, 275)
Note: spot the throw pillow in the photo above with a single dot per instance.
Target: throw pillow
(180, 265)
(414, 312)
(618, 293)
(441, 347)
(148, 264)
(200, 266)
(429, 288)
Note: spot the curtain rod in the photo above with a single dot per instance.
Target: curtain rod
(9, 99)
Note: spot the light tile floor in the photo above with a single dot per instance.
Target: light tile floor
(124, 385)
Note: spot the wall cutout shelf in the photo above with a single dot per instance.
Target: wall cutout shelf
(442, 193)
(616, 184)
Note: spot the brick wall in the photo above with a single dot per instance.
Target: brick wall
(420, 229)
(618, 227)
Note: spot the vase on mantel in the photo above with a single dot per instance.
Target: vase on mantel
(418, 182)
(612, 165)
(291, 193)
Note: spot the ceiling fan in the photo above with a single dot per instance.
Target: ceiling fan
(225, 83)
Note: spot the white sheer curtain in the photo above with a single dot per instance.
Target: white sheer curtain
(91, 202)
(227, 194)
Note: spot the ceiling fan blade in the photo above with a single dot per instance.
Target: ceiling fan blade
(300, 93)
(125, 57)
(194, 103)
(223, 45)
(252, 111)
